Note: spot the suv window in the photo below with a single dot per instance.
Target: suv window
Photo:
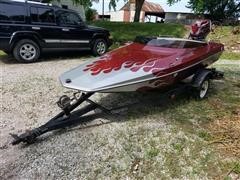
(11, 13)
(68, 18)
(42, 15)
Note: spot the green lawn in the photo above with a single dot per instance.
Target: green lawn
(2, 53)
(230, 55)
(123, 32)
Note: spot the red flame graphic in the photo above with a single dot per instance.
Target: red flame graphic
(130, 57)
(106, 65)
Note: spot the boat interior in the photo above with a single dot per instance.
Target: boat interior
(178, 43)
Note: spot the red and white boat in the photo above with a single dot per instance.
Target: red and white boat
(146, 63)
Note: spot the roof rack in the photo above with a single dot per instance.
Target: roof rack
(34, 2)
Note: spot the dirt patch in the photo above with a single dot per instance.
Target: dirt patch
(226, 134)
(226, 35)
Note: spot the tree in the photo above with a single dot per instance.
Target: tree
(90, 14)
(217, 9)
(138, 8)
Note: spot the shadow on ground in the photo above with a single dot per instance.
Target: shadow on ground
(125, 107)
(52, 56)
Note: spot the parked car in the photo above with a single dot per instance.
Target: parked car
(27, 28)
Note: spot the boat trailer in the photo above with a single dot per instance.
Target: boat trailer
(68, 117)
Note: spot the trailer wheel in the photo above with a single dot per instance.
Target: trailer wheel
(202, 91)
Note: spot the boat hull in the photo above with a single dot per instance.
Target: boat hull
(136, 67)
(165, 80)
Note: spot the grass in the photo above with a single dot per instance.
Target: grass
(186, 149)
(224, 35)
(2, 53)
(123, 32)
(174, 140)
(231, 41)
(152, 152)
(230, 55)
(236, 168)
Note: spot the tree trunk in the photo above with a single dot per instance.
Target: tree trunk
(138, 8)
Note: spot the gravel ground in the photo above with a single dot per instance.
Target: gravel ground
(101, 149)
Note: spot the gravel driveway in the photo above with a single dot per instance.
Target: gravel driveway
(29, 94)
(102, 149)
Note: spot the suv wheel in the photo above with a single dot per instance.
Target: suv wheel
(99, 47)
(26, 51)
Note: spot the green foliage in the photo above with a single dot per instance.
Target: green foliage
(90, 14)
(113, 4)
(218, 9)
(171, 2)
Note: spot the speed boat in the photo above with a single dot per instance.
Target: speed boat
(145, 64)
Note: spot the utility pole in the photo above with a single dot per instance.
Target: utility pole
(103, 10)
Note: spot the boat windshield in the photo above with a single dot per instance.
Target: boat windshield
(168, 42)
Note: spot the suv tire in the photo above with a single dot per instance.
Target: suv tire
(99, 47)
(26, 51)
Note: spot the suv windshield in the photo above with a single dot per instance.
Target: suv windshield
(168, 42)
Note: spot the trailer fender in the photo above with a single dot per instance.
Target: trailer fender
(200, 76)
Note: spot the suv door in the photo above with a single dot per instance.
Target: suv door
(12, 18)
(43, 22)
(74, 32)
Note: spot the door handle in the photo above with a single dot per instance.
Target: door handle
(36, 28)
(66, 30)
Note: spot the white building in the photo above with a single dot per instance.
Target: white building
(181, 17)
(68, 4)
(127, 12)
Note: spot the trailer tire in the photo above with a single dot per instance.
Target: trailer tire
(201, 92)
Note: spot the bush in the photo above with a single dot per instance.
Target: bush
(90, 14)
